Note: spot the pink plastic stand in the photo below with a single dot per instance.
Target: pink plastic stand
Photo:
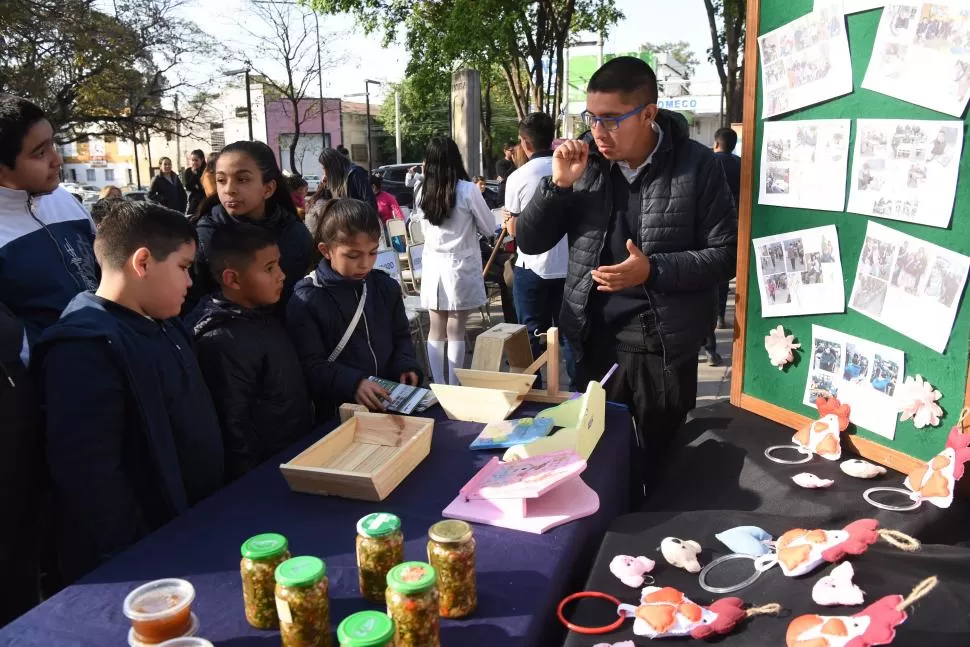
(533, 495)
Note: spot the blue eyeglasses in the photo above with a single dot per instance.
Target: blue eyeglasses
(610, 123)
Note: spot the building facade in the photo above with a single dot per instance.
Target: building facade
(314, 137)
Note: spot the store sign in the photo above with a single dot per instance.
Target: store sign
(703, 104)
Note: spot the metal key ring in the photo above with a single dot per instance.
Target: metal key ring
(807, 455)
(867, 495)
(580, 629)
(702, 578)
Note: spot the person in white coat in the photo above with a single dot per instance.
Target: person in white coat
(451, 281)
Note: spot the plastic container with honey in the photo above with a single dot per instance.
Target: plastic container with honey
(188, 641)
(160, 611)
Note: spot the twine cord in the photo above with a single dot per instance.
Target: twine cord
(920, 591)
(765, 610)
(900, 540)
(964, 420)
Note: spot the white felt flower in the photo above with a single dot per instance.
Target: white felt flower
(780, 347)
(916, 398)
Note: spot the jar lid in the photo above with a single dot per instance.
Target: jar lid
(412, 577)
(366, 629)
(379, 524)
(264, 546)
(450, 531)
(300, 571)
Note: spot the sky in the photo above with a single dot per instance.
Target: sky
(365, 58)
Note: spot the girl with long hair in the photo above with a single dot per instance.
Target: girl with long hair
(166, 188)
(451, 281)
(251, 189)
(344, 179)
(192, 180)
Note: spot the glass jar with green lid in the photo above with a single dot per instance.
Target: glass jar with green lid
(451, 551)
(303, 602)
(380, 547)
(412, 603)
(260, 557)
(366, 629)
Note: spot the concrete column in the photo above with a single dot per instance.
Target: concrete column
(466, 109)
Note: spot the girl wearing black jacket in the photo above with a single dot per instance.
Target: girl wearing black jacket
(344, 179)
(251, 190)
(192, 180)
(166, 188)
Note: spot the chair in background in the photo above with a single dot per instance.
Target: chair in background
(411, 276)
(415, 231)
(397, 234)
(388, 262)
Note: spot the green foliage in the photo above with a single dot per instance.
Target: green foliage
(679, 50)
(726, 19)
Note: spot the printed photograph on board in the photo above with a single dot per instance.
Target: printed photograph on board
(800, 272)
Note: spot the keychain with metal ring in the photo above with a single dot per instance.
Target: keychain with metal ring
(702, 578)
(807, 454)
(867, 495)
(580, 629)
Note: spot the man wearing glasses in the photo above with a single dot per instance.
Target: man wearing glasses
(652, 231)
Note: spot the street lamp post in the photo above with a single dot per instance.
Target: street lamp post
(370, 147)
(249, 100)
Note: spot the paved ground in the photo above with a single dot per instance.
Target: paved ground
(714, 383)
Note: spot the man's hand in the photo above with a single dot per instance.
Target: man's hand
(409, 377)
(569, 163)
(508, 222)
(632, 272)
(371, 395)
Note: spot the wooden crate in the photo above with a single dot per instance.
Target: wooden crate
(472, 404)
(500, 342)
(365, 458)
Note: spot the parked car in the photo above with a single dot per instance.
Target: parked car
(136, 196)
(313, 182)
(392, 179)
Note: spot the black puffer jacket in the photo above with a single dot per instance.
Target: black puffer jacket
(255, 378)
(688, 230)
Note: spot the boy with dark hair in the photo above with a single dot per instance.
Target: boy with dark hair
(46, 239)
(246, 355)
(101, 208)
(132, 437)
(652, 231)
(504, 168)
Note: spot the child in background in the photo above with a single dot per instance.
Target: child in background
(340, 350)
(387, 205)
(132, 437)
(246, 357)
(251, 190)
(298, 189)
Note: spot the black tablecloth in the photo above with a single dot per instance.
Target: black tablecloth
(718, 463)
(521, 576)
(942, 619)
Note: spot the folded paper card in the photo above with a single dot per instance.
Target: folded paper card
(532, 494)
(582, 420)
(499, 435)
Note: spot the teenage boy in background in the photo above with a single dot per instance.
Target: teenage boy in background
(132, 436)
(46, 236)
(652, 231)
(539, 278)
(246, 356)
(504, 168)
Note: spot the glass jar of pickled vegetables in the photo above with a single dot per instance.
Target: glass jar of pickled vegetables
(260, 557)
(451, 551)
(380, 547)
(303, 602)
(366, 629)
(412, 603)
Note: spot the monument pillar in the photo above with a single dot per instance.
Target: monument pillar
(466, 118)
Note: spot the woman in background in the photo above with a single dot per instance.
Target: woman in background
(166, 188)
(344, 179)
(110, 191)
(192, 180)
(208, 179)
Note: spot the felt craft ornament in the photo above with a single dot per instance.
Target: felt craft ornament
(631, 570)
(935, 481)
(915, 398)
(874, 625)
(801, 551)
(809, 481)
(681, 553)
(860, 469)
(781, 347)
(823, 437)
(837, 588)
(667, 612)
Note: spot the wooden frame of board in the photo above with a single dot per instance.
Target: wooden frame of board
(871, 450)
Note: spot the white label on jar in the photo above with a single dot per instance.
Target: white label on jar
(283, 611)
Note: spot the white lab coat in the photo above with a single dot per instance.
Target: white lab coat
(451, 276)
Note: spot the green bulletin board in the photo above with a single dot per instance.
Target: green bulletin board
(761, 387)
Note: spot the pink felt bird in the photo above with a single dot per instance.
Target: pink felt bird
(630, 570)
(874, 625)
(935, 481)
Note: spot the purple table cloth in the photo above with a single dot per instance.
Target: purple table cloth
(521, 577)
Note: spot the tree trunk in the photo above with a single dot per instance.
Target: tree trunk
(487, 123)
(296, 134)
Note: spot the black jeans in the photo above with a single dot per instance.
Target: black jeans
(659, 397)
(538, 302)
(710, 344)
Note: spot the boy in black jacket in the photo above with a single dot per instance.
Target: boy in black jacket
(132, 437)
(246, 355)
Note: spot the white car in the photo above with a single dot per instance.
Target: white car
(313, 181)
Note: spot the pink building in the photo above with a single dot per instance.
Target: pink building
(280, 130)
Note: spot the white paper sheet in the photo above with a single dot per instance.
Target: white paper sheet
(805, 62)
(910, 285)
(800, 272)
(852, 6)
(906, 170)
(922, 55)
(803, 164)
(859, 373)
